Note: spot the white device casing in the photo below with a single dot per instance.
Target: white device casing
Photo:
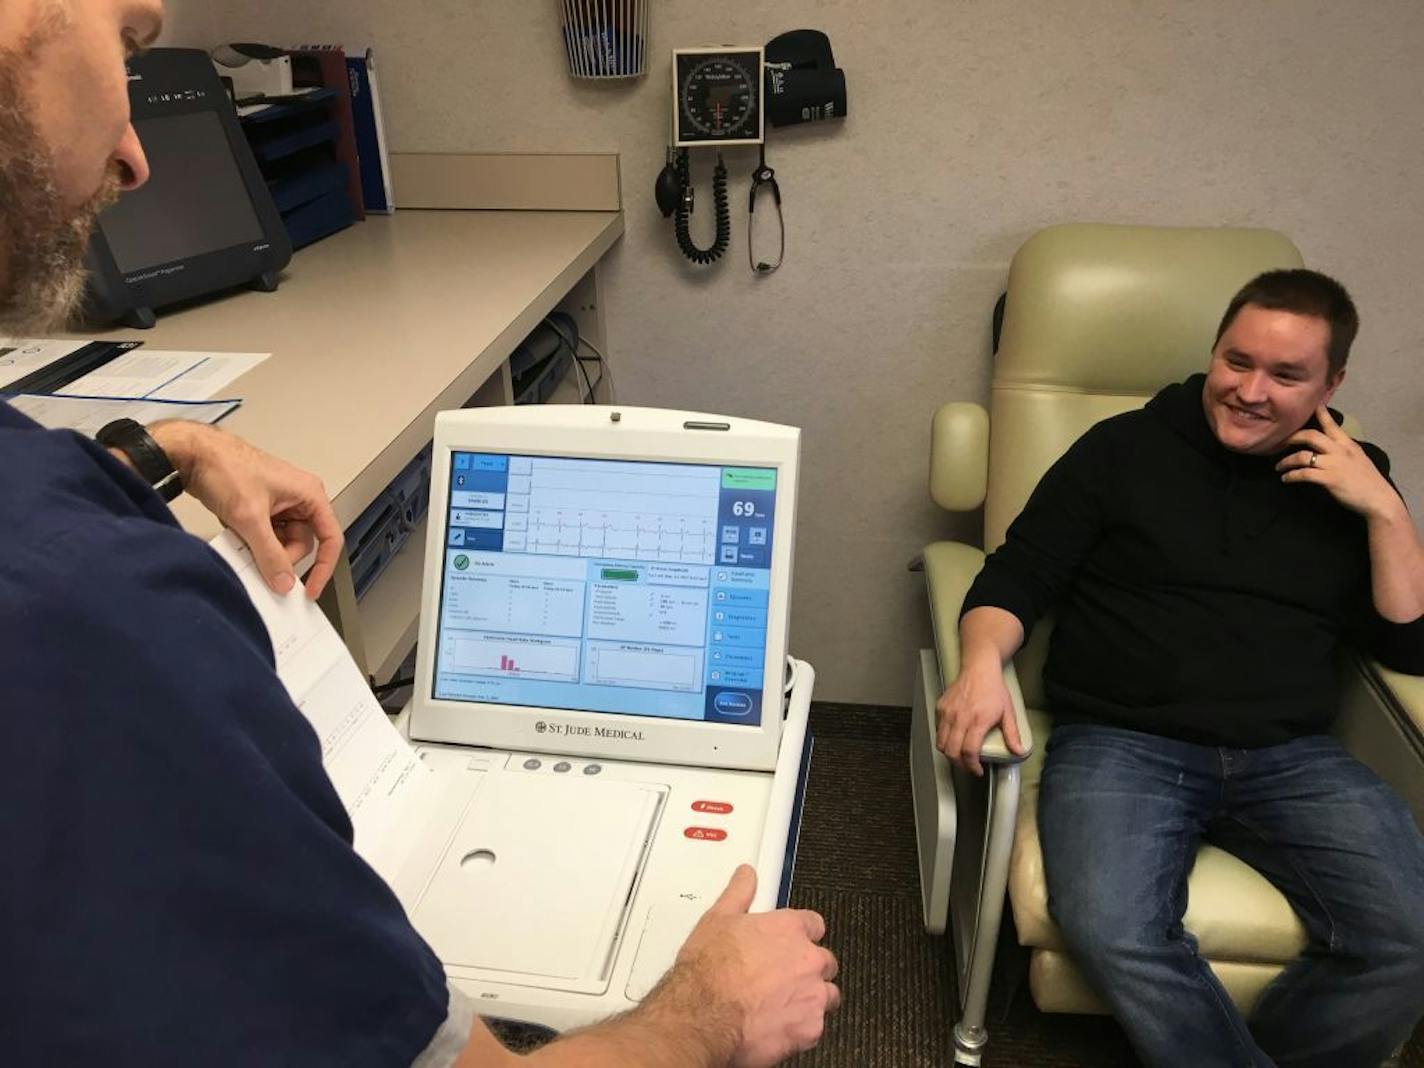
(583, 431)
(618, 949)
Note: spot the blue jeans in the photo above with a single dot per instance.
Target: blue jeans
(1121, 814)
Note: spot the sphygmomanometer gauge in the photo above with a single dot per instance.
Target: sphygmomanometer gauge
(718, 97)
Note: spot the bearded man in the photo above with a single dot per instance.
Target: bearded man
(180, 886)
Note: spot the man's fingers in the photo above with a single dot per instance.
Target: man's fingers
(328, 555)
(833, 997)
(944, 723)
(1296, 459)
(830, 967)
(737, 897)
(1010, 726)
(1311, 440)
(267, 553)
(329, 540)
(955, 745)
(973, 743)
(1328, 424)
(813, 923)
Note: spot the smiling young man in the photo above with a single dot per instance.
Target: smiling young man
(179, 885)
(1210, 558)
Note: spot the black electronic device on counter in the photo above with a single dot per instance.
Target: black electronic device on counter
(205, 221)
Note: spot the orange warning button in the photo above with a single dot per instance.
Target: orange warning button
(705, 834)
(721, 808)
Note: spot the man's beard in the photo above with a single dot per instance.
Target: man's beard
(42, 241)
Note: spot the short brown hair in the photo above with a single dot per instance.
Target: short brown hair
(1303, 292)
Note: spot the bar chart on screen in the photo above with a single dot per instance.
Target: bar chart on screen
(511, 656)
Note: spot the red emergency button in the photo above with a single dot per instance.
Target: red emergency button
(721, 808)
(705, 834)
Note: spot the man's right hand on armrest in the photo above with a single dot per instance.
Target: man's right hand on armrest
(978, 699)
(746, 991)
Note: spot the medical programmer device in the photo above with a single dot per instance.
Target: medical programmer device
(205, 220)
(608, 592)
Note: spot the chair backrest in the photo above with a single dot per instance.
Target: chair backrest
(1097, 319)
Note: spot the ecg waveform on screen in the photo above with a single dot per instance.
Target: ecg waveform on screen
(568, 508)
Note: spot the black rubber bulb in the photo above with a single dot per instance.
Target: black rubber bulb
(668, 189)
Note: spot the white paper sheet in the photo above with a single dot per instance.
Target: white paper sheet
(377, 775)
(88, 414)
(21, 356)
(159, 375)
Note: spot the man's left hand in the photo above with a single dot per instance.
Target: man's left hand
(279, 510)
(1330, 458)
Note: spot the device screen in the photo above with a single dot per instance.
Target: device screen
(606, 586)
(194, 202)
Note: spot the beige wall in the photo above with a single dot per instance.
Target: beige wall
(188, 23)
(972, 124)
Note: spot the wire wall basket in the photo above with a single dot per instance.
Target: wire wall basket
(605, 38)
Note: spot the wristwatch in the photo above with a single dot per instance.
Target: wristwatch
(147, 456)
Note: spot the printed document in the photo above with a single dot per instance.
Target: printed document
(376, 773)
(149, 374)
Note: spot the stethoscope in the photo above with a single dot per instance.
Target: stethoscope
(765, 178)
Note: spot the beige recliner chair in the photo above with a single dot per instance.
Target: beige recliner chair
(1097, 319)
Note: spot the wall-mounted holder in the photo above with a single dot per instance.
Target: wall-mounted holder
(605, 39)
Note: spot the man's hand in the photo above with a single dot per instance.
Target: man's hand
(745, 991)
(279, 510)
(765, 972)
(978, 700)
(1330, 458)
(970, 707)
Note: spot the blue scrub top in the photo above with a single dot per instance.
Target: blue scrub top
(178, 881)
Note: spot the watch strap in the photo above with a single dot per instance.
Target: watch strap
(147, 456)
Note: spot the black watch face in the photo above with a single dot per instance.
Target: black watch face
(718, 96)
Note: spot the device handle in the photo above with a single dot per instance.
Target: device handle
(776, 831)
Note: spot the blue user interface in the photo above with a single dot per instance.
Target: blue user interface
(606, 586)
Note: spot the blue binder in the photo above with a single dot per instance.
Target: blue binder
(366, 120)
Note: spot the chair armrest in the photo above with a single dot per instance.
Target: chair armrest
(1381, 722)
(959, 456)
(1408, 694)
(950, 569)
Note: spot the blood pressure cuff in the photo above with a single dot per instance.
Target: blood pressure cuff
(803, 83)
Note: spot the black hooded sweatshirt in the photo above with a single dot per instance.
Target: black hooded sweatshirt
(1197, 596)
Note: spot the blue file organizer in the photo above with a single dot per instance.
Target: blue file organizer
(295, 147)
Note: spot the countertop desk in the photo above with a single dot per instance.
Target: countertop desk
(374, 330)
